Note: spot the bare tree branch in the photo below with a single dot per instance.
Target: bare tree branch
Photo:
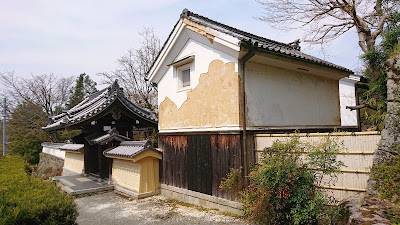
(46, 90)
(132, 68)
(325, 20)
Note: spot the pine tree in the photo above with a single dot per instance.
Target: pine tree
(84, 86)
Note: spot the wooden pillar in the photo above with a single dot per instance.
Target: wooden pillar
(101, 161)
(251, 155)
(86, 158)
(110, 165)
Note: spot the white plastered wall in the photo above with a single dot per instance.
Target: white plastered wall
(347, 92)
(190, 43)
(277, 97)
(54, 152)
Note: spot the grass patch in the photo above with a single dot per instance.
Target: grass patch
(229, 214)
(174, 202)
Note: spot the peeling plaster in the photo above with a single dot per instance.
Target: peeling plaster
(213, 103)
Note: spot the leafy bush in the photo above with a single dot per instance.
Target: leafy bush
(387, 177)
(283, 190)
(233, 182)
(27, 200)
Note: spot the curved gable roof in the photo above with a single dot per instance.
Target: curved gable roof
(96, 103)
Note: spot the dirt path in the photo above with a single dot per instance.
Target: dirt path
(110, 208)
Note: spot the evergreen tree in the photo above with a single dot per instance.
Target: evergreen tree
(84, 86)
(24, 131)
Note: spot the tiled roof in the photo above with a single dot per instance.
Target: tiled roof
(111, 135)
(94, 104)
(72, 147)
(130, 149)
(291, 50)
(52, 145)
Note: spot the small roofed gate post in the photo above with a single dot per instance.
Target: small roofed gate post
(135, 168)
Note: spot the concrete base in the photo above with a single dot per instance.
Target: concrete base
(204, 200)
(67, 172)
(79, 185)
(85, 191)
(134, 194)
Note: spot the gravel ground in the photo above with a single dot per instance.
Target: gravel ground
(111, 208)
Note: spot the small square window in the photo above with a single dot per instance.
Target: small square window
(183, 77)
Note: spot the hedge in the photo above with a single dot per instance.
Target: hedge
(28, 200)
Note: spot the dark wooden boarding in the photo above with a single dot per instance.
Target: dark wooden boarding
(199, 162)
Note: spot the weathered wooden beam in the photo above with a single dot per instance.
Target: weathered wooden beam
(356, 107)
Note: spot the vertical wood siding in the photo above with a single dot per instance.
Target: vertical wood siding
(200, 162)
(174, 160)
(226, 154)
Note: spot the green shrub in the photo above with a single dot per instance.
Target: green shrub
(233, 182)
(387, 177)
(27, 200)
(283, 190)
(27, 146)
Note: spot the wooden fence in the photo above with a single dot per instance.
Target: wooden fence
(357, 155)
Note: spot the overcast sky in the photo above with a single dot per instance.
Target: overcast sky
(67, 38)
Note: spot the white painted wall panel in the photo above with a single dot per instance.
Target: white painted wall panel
(277, 97)
(347, 98)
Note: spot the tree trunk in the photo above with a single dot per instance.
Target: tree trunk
(390, 138)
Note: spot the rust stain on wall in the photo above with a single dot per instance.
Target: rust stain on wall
(213, 103)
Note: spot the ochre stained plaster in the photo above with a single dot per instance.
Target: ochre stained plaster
(213, 103)
(198, 28)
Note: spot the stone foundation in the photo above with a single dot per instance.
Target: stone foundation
(200, 199)
(49, 166)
